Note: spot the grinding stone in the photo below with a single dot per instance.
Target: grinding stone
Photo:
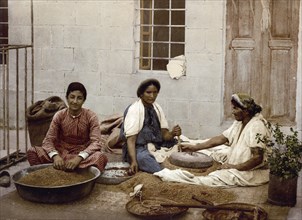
(190, 160)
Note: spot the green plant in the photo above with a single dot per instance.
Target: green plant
(284, 151)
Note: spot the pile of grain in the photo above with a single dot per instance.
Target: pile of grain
(52, 177)
(153, 186)
(178, 192)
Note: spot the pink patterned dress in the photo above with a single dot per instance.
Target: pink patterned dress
(69, 135)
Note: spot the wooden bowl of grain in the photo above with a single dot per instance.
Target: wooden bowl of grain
(42, 183)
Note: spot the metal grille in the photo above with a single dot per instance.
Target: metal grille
(162, 32)
(15, 80)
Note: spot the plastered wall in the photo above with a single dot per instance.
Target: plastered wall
(94, 42)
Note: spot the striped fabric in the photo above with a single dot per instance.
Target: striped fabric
(69, 136)
(37, 155)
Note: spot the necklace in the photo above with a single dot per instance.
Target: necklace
(74, 116)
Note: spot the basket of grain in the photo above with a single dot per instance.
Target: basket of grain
(231, 211)
(152, 209)
(42, 183)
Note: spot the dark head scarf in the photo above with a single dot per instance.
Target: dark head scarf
(76, 86)
(144, 85)
(245, 102)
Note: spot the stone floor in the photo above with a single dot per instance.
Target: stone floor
(106, 203)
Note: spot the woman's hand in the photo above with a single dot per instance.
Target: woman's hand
(133, 168)
(58, 162)
(73, 163)
(188, 147)
(169, 135)
(176, 130)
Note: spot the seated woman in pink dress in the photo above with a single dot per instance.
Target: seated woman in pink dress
(73, 138)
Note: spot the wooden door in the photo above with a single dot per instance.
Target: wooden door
(261, 55)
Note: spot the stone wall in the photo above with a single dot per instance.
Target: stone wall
(94, 42)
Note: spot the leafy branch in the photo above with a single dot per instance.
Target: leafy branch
(284, 151)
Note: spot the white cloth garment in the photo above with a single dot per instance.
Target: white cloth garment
(137, 190)
(164, 152)
(134, 119)
(241, 143)
(219, 178)
(161, 154)
(238, 152)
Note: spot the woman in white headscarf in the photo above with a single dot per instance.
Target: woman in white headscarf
(243, 160)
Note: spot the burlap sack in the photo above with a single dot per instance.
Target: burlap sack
(39, 116)
(110, 130)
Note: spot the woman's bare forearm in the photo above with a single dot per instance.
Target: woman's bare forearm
(212, 142)
(131, 147)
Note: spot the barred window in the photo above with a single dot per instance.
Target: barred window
(162, 32)
(3, 27)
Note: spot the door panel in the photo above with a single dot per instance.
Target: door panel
(263, 62)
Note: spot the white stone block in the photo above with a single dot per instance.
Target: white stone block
(122, 38)
(102, 105)
(70, 76)
(42, 37)
(92, 82)
(87, 14)
(90, 37)
(106, 17)
(196, 61)
(121, 103)
(117, 62)
(50, 81)
(190, 129)
(210, 89)
(177, 110)
(205, 14)
(45, 95)
(215, 41)
(195, 40)
(123, 13)
(87, 37)
(206, 113)
(37, 59)
(57, 36)
(118, 86)
(203, 62)
(72, 35)
(54, 12)
(208, 131)
(177, 89)
(86, 60)
(59, 59)
(116, 13)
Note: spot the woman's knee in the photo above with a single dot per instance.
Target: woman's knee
(147, 163)
(32, 156)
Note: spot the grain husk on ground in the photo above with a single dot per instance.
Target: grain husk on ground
(153, 186)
